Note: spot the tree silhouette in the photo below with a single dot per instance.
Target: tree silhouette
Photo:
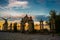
(5, 25)
(52, 19)
(57, 22)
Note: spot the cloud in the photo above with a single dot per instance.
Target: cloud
(16, 4)
(15, 16)
(10, 13)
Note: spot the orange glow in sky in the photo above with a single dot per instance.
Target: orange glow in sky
(36, 26)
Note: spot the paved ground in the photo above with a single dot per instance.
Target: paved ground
(20, 36)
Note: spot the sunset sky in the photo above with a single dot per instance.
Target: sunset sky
(31, 7)
(19, 8)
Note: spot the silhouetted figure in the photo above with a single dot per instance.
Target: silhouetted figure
(30, 22)
(23, 21)
(31, 25)
(22, 25)
(26, 18)
(5, 25)
(41, 24)
(15, 27)
(11, 27)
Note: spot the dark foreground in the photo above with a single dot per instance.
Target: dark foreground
(22, 36)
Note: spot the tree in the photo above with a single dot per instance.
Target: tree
(54, 21)
(57, 23)
(5, 25)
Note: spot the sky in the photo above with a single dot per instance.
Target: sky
(18, 8)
